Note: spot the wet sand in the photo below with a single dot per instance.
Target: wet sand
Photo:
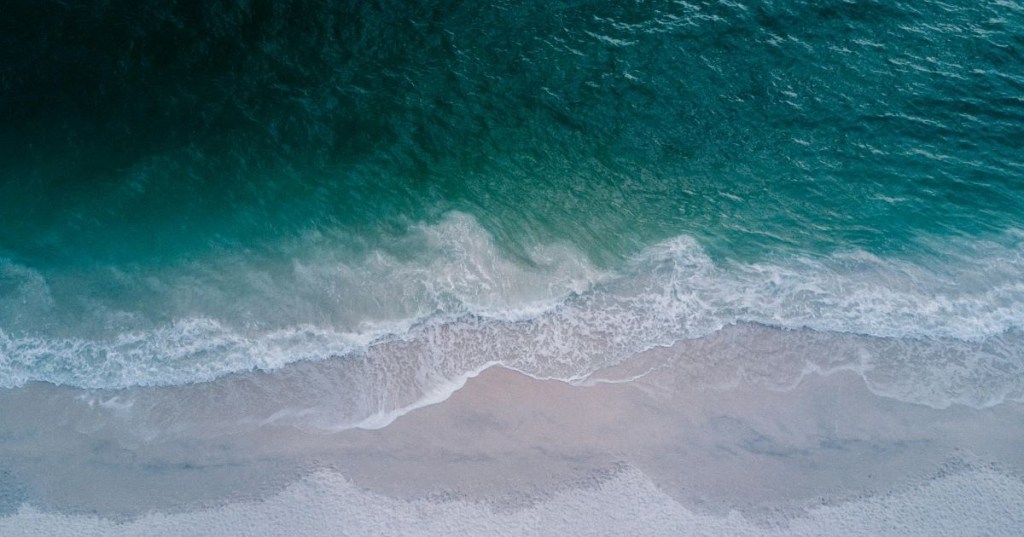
(652, 455)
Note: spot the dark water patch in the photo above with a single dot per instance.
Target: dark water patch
(154, 131)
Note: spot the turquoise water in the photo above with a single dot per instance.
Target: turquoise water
(189, 189)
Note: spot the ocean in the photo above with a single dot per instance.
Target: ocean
(408, 193)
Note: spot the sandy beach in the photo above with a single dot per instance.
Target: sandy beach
(655, 454)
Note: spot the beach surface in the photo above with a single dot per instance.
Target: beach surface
(640, 450)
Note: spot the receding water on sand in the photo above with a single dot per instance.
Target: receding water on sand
(653, 448)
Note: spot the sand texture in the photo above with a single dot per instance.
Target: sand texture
(654, 455)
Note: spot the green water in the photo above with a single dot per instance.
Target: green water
(147, 144)
(169, 130)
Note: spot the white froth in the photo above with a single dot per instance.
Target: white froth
(437, 391)
(979, 502)
(460, 302)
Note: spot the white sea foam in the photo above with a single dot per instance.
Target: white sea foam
(951, 324)
(435, 391)
(979, 502)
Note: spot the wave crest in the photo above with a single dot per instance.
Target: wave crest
(458, 303)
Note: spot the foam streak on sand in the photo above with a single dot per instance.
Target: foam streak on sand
(628, 504)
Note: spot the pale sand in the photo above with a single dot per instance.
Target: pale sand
(520, 446)
(744, 447)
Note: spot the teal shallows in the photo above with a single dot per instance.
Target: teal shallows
(159, 131)
(151, 151)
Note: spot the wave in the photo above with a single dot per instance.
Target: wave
(948, 324)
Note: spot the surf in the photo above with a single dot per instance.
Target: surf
(462, 302)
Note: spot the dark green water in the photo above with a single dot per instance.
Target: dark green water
(353, 167)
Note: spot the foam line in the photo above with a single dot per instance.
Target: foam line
(462, 305)
(628, 504)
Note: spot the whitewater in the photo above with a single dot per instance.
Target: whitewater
(931, 332)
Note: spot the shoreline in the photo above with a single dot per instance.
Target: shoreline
(515, 443)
